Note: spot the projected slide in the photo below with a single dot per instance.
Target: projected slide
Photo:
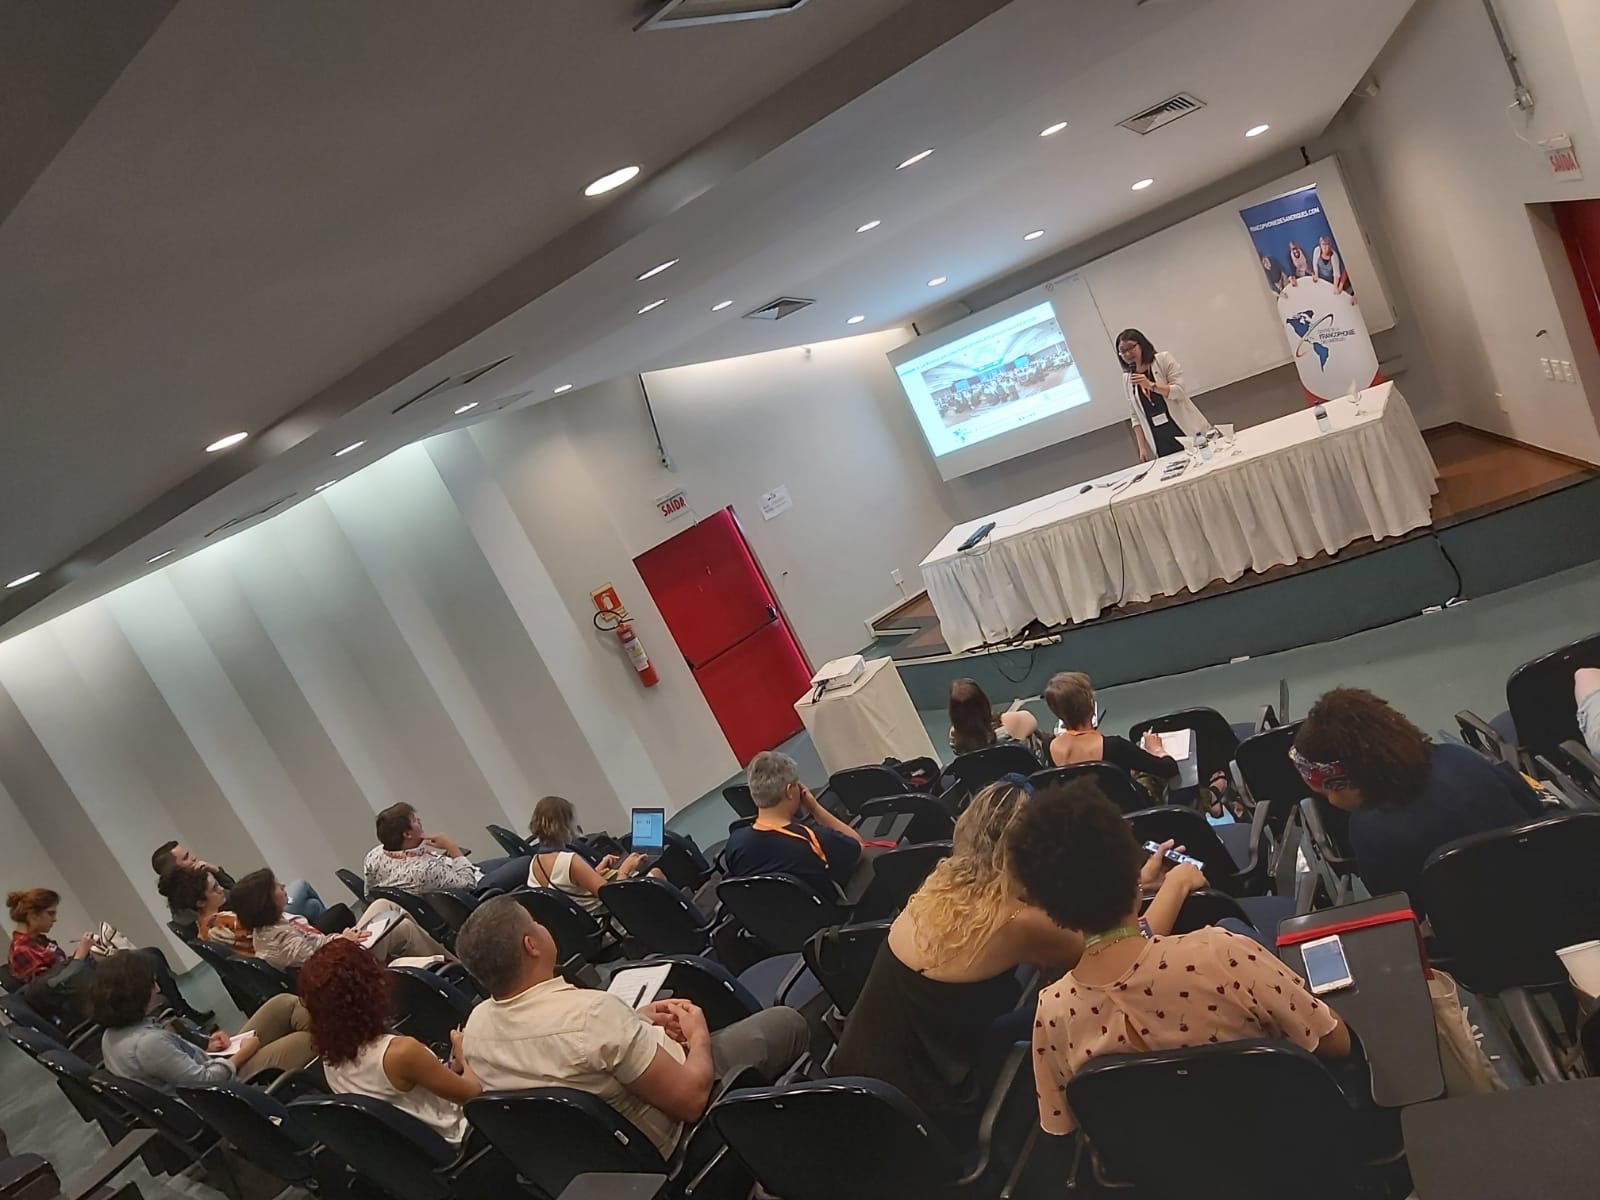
(993, 380)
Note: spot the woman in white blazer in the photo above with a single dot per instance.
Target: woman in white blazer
(1161, 407)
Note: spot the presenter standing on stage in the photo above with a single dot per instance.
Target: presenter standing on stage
(1162, 409)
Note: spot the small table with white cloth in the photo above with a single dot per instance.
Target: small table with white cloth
(867, 722)
(1283, 493)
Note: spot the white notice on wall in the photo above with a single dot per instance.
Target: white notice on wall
(775, 502)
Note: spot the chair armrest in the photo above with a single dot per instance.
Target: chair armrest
(117, 1156)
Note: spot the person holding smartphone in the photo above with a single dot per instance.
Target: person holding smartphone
(1162, 410)
(1131, 991)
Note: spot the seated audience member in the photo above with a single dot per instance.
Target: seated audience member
(656, 1066)
(556, 865)
(974, 725)
(195, 890)
(943, 989)
(136, 1046)
(54, 981)
(303, 898)
(1586, 695)
(1070, 696)
(1405, 796)
(348, 996)
(287, 941)
(413, 861)
(792, 833)
(1076, 858)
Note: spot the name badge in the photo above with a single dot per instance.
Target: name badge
(1159, 419)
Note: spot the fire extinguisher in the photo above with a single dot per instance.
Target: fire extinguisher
(636, 655)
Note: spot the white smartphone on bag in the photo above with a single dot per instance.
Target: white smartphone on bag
(1326, 968)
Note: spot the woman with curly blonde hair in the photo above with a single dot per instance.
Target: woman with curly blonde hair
(948, 970)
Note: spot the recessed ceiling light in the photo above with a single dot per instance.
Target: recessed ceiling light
(657, 269)
(607, 183)
(869, 226)
(222, 443)
(158, 557)
(1034, 236)
(652, 304)
(466, 408)
(348, 449)
(937, 280)
(1052, 130)
(1142, 184)
(857, 319)
(28, 578)
(914, 160)
(1256, 130)
(329, 484)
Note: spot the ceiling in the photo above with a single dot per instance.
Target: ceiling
(290, 218)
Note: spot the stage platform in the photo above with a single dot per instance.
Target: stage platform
(1505, 514)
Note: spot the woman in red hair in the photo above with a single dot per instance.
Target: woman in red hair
(347, 993)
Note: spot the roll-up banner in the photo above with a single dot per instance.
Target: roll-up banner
(1318, 308)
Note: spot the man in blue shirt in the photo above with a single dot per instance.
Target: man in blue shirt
(792, 833)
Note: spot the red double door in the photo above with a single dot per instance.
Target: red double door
(715, 599)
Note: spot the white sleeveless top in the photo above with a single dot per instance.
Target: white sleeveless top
(561, 881)
(365, 1077)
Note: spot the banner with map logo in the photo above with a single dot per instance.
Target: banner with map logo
(1318, 308)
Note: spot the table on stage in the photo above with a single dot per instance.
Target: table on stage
(1284, 493)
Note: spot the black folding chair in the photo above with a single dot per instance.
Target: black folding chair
(1116, 783)
(878, 1143)
(354, 882)
(657, 916)
(930, 820)
(739, 799)
(427, 917)
(1502, 903)
(1216, 741)
(1539, 696)
(977, 769)
(428, 1006)
(896, 874)
(514, 846)
(854, 786)
(580, 939)
(553, 1135)
(1293, 1110)
(841, 958)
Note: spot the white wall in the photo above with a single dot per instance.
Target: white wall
(1452, 184)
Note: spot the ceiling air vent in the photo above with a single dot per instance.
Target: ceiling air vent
(777, 310)
(1165, 113)
(675, 14)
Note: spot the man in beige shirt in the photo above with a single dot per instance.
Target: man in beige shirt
(656, 1066)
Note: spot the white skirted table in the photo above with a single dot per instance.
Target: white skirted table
(1284, 493)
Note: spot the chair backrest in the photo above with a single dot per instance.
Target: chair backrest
(553, 1135)
(779, 910)
(930, 821)
(854, 786)
(1215, 740)
(896, 874)
(513, 845)
(1116, 783)
(427, 1006)
(739, 799)
(420, 911)
(356, 885)
(1539, 695)
(1194, 833)
(656, 915)
(841, 958)
(1302, 1138)
(1502, 903)
(578, 936)
(876, 1142)
(256, 1125)
(977, 769)
(1269, 776)
(390, 1149)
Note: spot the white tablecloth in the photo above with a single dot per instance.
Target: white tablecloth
(867, 722)
(1286, 493)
